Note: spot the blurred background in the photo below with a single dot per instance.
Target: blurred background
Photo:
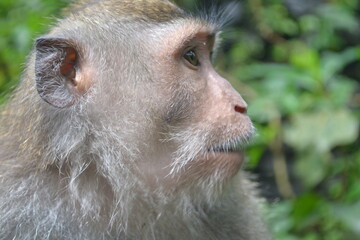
(297, 64)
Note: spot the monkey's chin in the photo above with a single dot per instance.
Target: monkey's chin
(223, 165)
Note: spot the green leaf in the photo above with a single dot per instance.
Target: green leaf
(306, 58)
(263, 110)
(339, 17)
(304, 206)
(312, 161)
(350, 215)
(341, 90)
(320, 131)
(332, 63)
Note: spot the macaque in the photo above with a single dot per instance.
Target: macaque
(122, 129)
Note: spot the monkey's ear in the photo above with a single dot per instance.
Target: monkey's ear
(57, 71)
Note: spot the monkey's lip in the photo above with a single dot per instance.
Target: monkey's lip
(232, 155)
(221, 153)
(222, 150)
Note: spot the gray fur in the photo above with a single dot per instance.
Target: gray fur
(74, 172)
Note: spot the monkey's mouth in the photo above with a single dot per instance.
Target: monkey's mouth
(225, 152)
(223, 149)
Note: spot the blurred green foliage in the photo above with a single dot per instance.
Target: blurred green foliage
(300, 73)
(297, 63)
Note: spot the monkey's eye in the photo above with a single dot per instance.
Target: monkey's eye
(192, 58)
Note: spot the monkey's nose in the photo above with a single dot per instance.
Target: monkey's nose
(240, 109)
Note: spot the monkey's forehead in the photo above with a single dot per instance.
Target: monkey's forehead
(183, 30)
(149, 10)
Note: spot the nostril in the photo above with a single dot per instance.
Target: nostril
(240, 109)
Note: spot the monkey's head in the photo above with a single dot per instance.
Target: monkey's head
(139, 90)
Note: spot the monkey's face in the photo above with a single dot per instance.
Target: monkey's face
(203, 118)
(153, 98)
